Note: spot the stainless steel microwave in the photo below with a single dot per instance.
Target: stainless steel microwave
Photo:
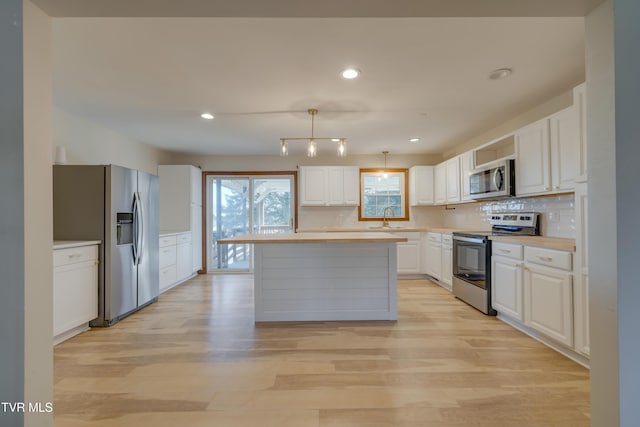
(494, 181)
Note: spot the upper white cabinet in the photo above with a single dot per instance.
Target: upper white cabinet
(421, 188)
(532, 158)
(566, 152)
(453, 179)
(580, 103)
(466, 166)
(181, 205)
(551, 153)
(440, 183)
(314, 186)
(329, 186)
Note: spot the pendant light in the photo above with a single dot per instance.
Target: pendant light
(312, 145)
(385, 174)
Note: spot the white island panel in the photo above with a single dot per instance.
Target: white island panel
(330, 281)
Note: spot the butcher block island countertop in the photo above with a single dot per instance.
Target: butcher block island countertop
(316, 237)
(323, 276)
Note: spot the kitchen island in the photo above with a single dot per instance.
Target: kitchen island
(324, 276)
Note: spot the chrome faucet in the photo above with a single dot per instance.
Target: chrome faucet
(385, 221)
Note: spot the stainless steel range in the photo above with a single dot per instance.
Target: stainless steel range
(472, 256)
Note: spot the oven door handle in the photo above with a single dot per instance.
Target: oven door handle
(470, 239)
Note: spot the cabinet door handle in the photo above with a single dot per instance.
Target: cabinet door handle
(545, 258)
(556, 187)
(76, 255)
(505, 251)
(547, 188)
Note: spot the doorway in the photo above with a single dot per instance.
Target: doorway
(241, 203)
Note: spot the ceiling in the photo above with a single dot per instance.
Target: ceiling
(150, 78)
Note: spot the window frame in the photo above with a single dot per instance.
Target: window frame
(404, 174)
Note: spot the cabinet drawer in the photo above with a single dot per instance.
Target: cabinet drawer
(548, 257)
(434, 237)
(167, 256)
(74, 255)
(506, 250)
(167, 277)
(167, 240)
(411, 236)
(184, 238)
(447, 239)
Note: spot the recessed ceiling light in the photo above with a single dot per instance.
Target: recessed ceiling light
(350, 73)
(500, 73)
(414, 140)
(207, 116)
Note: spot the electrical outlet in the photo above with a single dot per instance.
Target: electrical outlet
(554, 217)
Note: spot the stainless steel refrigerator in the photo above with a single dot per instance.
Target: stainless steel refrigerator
(119, 207)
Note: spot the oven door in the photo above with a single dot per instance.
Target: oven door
(470, 259)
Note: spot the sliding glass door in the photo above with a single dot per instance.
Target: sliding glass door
(237, 204)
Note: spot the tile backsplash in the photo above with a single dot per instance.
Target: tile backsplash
(557, 217)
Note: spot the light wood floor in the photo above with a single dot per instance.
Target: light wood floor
(196, 359)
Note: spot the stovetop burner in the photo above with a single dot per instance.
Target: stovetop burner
(509, 224)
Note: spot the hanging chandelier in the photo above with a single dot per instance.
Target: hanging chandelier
(312, 147)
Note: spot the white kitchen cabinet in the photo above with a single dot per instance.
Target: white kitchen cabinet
(183, 256)
(440, 183)
(452, 167)
(581, 273)
(421, 186)
(446, 279)
(181, 205)
(532, 158)
(433, 256)
(409, 253)
(329, 186)
(549, 302)
(566, 152)
(344, 185)
(580, 103)
(551, 153)
(75, 290)
(167, 261)
(466, 167)
(506, 286)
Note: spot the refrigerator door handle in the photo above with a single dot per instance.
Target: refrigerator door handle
(136, 226)
(140, 228)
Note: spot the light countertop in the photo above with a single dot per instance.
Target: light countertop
(560, 243)
(324, 237)
(392, 229)
(164, 233)
(65, 244)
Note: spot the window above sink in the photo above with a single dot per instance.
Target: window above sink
(383, 195)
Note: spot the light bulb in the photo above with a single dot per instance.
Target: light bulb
(385, 175)
(342, 148)
(312, 149)
(284, 150)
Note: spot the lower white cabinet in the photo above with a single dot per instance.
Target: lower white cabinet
(409, 254)
(506, 282)
(446, 278)
(549, 302)
(176, 259)
(433, 255)
(184, 255)
(75, 290)
(533, 286)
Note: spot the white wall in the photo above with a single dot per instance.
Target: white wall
(87, 142)
(627, 136)
(38, 208)
(551, 106)
(602, 216)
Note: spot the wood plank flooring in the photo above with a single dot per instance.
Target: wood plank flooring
(196, 358)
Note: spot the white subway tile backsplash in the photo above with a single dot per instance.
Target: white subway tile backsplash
(557, 219)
